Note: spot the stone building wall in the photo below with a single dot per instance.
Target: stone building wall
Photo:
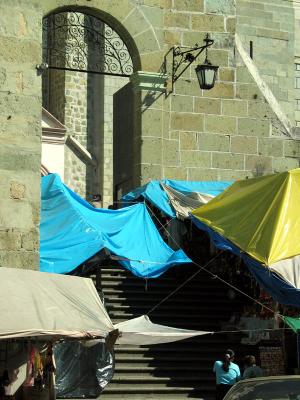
(75, 109)
(20, 134)
(112, 84)
(297, 61)
(228, 132)
(54, 95)
(82, 101)
(270, 28)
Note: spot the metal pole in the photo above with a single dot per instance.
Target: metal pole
(298, 350)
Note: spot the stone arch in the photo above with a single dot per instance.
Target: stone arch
(117, 17)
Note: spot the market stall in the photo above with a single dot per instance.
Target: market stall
(259, 220)
(41, 310)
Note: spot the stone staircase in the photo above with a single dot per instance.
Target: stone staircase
(180, 370)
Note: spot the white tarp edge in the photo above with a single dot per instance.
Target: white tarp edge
(184, 204)
(141, 331)
(289, 270)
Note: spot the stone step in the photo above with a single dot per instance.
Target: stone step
(112, 270)
(132, 278)
(116, 291)
(173, 301)
(117, 283)
(161, 365)
(163, 313)
(160, 368)
(186, 347)
(135, 358)
(177, 371)
(151, 396)
(170, 273)
(157, 388)
(198, 353)
(192, 380)
(163, 309)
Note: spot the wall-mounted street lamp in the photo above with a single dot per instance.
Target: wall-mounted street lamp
(182, 59)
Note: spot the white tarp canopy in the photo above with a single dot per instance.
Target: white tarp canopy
(39, 304)
(289, 270)
(140, 331)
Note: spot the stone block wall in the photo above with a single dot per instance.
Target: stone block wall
(229, 132)
(54, 93)
(297, 93)
(20, 134)
(83, 102)
(75, 110)
(272, 360)
(269, 26)
(112, 84)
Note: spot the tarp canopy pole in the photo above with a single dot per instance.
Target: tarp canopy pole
(298, 349)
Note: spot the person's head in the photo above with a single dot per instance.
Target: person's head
(228, 357)
(97, 197)
(249, 360)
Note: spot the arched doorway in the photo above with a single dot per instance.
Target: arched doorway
(84, 87)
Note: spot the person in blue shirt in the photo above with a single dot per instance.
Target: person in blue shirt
(227, 374)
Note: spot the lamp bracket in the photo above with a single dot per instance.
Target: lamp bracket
(182, 59)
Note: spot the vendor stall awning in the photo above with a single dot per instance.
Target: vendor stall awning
(293, 323)
(155, 193)
(140, 331)
(40, 304)
(72, 231)
(261, 216)
(259, 219)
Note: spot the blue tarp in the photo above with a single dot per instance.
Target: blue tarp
(278, 288)
(155, 194)
(72, 231)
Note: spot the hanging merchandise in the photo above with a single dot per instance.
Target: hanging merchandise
(40, 372)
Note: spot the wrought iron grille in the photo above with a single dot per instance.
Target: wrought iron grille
(79, 42)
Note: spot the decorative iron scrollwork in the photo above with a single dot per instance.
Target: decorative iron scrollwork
(81, 42)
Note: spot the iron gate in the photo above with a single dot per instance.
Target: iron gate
(76, 41)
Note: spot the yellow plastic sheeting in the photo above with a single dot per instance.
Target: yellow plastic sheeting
(260, 215)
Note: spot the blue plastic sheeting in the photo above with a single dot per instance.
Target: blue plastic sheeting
(279, 289)
(155, 194)
(72, 231)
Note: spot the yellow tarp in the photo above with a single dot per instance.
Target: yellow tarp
(260, 215)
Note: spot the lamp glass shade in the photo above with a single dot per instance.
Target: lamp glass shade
(206, 74)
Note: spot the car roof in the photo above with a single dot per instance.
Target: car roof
(269, 378)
